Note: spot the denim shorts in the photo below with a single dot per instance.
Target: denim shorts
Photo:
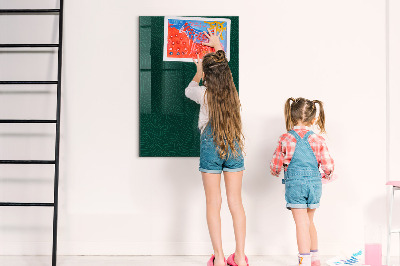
(210, 160)
(303, 193)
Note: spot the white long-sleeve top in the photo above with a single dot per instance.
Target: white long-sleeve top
(196, 93)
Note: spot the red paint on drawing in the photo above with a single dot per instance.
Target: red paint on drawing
(181, 46)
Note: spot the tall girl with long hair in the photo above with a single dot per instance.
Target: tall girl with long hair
(221, 147)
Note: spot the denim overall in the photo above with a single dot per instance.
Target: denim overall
(211, 162)
(302, 181)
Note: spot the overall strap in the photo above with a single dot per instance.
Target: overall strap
(303, 164)
(294, 133)
(308, 134)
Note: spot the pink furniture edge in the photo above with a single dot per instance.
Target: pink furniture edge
(393, 183)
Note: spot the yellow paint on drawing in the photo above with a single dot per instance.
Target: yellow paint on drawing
(219, 26)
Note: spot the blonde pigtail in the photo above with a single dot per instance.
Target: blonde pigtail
(321, 116)
(288, 114)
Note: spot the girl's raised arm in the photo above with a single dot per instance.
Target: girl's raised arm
(194, 91)
(199, 72)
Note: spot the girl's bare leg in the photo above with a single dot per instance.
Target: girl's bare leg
(212, 188)
(302, 221)
(233, 183)
(313, 230)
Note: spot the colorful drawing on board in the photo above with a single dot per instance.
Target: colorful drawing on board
(183, 37)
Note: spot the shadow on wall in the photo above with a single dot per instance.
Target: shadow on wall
(375, 219)
(186, 210)
(263, 193)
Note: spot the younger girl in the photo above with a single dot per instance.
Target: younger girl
(220, 147)
(302, 152)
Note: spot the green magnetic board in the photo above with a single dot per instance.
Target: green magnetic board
(168, 120)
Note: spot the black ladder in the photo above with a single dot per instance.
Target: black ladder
(57, 82)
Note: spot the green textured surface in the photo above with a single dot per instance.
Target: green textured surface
(168, 120)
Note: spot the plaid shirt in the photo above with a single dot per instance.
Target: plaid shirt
(287, 144)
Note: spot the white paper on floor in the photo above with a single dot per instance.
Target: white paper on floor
(350, 258)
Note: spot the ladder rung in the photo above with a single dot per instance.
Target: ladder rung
(27, 161)
(33, 45)
(29, 82)
(38, 204)
(395, 231)
(27, 121)
(6, 11)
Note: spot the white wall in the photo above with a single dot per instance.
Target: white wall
(113, 202)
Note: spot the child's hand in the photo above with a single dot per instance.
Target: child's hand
(326, 180)
(273, 173)
(213, 39)
(198, 64)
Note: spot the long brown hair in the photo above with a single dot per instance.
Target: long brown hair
(223, 104)
(303, 110)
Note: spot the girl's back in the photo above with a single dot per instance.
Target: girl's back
(287, 146)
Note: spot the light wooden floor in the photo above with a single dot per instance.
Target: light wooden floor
(135, 260)
(145, 260)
